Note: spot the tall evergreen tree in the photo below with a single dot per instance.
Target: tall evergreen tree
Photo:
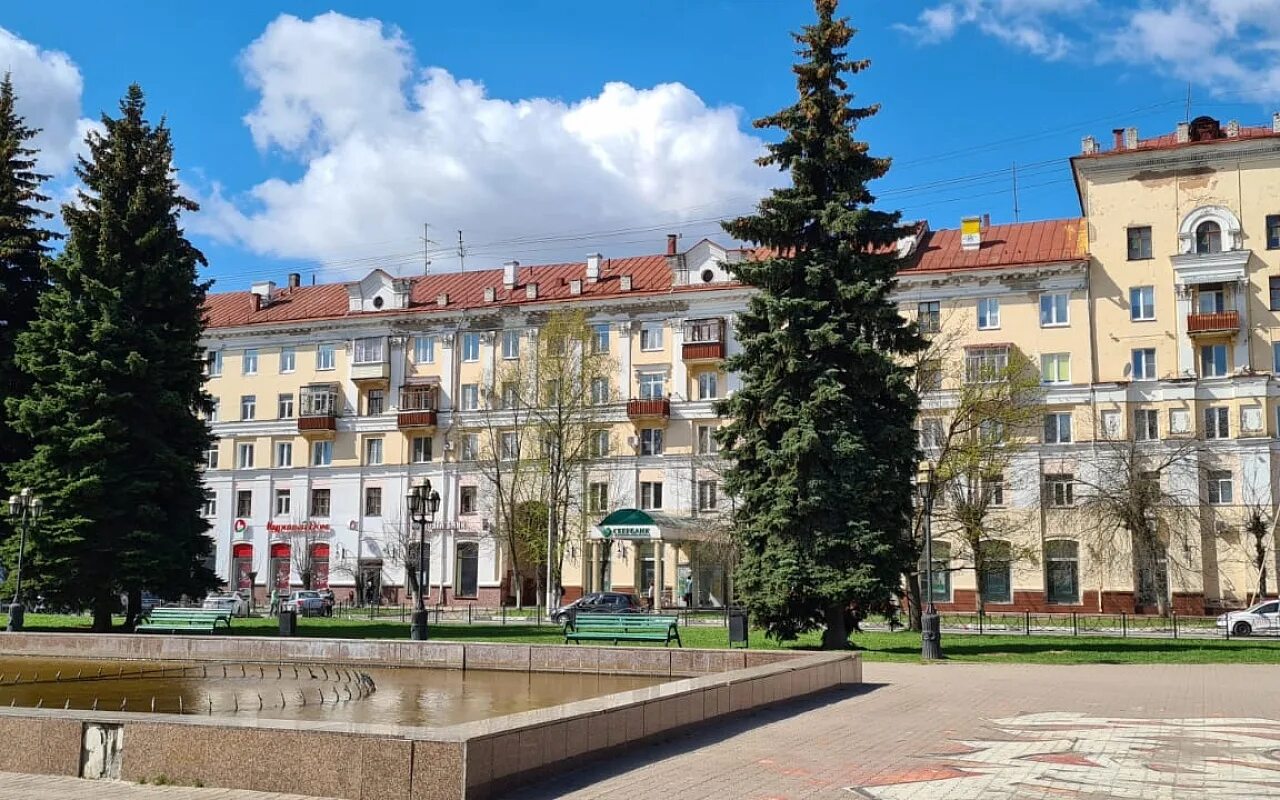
(23, 249)
(115, 362)
(820, 443)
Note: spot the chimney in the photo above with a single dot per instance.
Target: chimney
(624, 283)
(262, 291)
(295, 280)
(986, 222)
(672, 239)
(442, 300)
(488, 294)
(531, 291)
(575, 286)
(255, 303)
(971, 233)
(1184, 132)
(509, 269)
(1131, 138)
(1088, 145)
(1118, 134)
(1233, 129)
(593, 267)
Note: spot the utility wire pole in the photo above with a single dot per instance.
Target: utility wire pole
(1015, 191)
(426, 248)
(462, 254)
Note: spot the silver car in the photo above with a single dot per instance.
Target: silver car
(307, 602)
(230, 601)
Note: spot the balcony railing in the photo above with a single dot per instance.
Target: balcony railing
(651, 408)
(417, 407)
(703, 340)
(1216, 322)
(318, 408)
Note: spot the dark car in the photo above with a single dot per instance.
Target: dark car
(600, 603)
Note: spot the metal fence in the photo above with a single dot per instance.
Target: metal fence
(1060, 623)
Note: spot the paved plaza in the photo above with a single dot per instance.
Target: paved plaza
(945, 732)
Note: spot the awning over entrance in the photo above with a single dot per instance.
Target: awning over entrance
(626, 523)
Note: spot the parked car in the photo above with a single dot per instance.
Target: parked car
(1261, 617)
(599, 603)
(307, 602)
(234, 602)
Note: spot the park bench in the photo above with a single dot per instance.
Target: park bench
(622, 628)
(183, 620)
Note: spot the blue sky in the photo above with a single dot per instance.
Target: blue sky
(320, 136)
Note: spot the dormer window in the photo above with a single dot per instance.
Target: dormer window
(1208, 237)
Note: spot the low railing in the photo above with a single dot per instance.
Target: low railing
(1214, 322)
(656, 407)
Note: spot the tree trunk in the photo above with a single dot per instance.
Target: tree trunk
(103, 607)
(914, 596)
(836, 634)
(978, 572)
(518, 579)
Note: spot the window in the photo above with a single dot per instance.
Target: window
(1219, 487)
(284, 454)
(284, 503)
(210, 504)
(1142, 303)
(470, 446)
(244, 503)
(284, 406)
(650, 494)
(510, 446)
(467, 575)
(248, 406)
(931, 434)
(651, 336)
(424, 349)
(467, 500)
(1057, 428)
(941, 571)
(214, 406)
(1053, 309)
(373, 501)
(373, 451)
(318, 401)
(1213, 361)
(1139, 242)
(1060, 489)
(707, 443)
(470, 347)
(929, 316)
(510, 397)
(929, 375)
(707, 491)
(991, 431)
(1062, 571)
(1179, 420)
(652, 385)
(600, 441)
(993, 489)
(214, 363)
(319, 502)
(470, 396)
(1273, 285)
(421, 449)
(244, 455)
(322, 453)
(370, 350)
(597, 497)
(511, 345)
(326, 356)
(707, 385)
(600, 338)
(211, 457)
(599, 391)
(1217, 424)
(375, 402)
(1055, 367)
(1208, 237)
(988, 313)
(1144, 364)
(1273, 231)
(551, 394)
(651, 441)
(288, 359)
(996, 578)
(985, 364)
(1211, 299)
(249, 365)
(1146, 425)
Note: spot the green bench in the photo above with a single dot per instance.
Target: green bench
(622, 628)
(183, 620)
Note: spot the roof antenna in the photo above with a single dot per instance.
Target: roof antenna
(426, 248)
(1188, 101)
(313, 279)
(1015, 192)
(462, 254)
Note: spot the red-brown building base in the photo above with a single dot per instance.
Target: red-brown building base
(1187, 603)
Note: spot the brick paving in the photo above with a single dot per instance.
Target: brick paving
(944, 732)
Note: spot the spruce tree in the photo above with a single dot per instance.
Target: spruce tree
(23, 249)
(820, 444)
(117, 380)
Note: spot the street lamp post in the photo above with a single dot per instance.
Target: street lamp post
(930, 624)
(25, 506)
(424, 502)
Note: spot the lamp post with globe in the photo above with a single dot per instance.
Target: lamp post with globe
(423, 502)
(24, 507)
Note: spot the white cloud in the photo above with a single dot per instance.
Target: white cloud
(386, 147)
(48, 85)
(1024, 24)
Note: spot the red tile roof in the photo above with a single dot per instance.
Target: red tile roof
(1169, 141)
(1013, 245)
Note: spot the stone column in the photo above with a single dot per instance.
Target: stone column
(1186, 350)
(733, 380)
(679, 372)
(623, 330)
(1241, 355)
(659, 556)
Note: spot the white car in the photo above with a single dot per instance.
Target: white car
(1262, 617)
(306, 602)
(231, 601)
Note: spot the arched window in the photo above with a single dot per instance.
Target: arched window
(1208, 237)
(242, 565)
(1062, 571)
(280, 566)
(466, 580)
(941, 572)
(997, 571)
(320, 565)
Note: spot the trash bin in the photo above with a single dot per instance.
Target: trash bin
(288, 622)
(738, 627)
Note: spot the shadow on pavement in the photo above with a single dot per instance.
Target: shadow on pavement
(617, 763)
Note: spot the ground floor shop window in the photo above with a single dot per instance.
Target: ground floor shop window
(997, 572)
(242, 566)
(467, 577)
(370, 582)
(280, 566)
(320, 565)
(1062, 571)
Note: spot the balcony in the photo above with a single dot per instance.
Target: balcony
(1219, 322)
(369, 363)
(654, 408)
(318, 409)
(703, 340)
(370, 371)
(417, 408)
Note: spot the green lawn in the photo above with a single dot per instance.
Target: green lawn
(901, 646)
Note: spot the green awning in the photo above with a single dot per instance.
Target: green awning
(627, 523)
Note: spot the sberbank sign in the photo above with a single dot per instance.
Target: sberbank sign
(629, 531)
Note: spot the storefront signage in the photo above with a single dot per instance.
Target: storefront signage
(629, 531)
(310, 526)
(240, 526)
